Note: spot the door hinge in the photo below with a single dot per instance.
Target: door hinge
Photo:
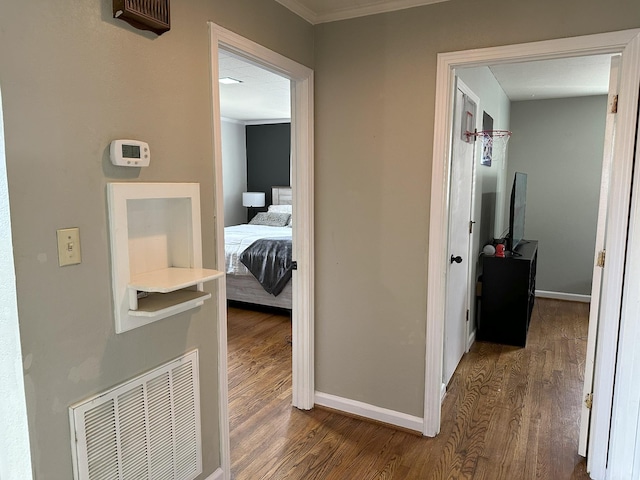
(294, 265)
(471, 222)
(614, 104)
(601, 257)
(467, 314)
(588, 400)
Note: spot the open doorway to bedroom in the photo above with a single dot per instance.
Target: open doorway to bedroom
(559, 115)
(627, 44)
(277, 122)
(255, 110)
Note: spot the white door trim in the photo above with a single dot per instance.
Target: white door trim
(598, 270)
(302, 175)
(624, 445)
(615, 42)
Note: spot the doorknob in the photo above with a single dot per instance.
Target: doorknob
(457, 259)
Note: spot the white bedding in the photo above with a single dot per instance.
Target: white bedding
(238, 237)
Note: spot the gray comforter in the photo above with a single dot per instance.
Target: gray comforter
(269, 260)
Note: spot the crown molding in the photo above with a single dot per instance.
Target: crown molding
(354, 11)
(300, 10)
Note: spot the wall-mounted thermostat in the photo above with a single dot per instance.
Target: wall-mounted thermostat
(130, 153)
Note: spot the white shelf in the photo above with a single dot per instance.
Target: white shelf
(171, 279)
(166, 304)
(156, 248)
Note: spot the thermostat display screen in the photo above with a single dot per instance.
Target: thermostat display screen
(131, 151)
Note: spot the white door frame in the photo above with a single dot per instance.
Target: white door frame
(596, 282)
(303, 246)
(628, 44)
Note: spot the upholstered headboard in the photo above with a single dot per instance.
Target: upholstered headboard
(281, 196)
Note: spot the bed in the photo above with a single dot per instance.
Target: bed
(242, 285)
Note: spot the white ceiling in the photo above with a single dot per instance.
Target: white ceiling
(262, 95)
(566, 77)
(321, 11)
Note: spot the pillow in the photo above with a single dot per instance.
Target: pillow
(281, 208)
(271, 219)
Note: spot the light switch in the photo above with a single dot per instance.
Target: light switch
(69, 246)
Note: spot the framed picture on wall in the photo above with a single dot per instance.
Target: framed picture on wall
(487, 140)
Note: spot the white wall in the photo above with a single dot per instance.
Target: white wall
(234, 168)
(15, 460)
(490, 180)
(489, 193)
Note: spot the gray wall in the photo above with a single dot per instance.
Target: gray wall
(559, 145)
(375, 94)
(73, 79)
(234, 171)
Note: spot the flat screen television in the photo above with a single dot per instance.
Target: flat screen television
(517, 211)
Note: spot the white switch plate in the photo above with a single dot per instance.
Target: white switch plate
(69, 246)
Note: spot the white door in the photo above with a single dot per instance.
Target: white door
(460, 195)
(596, 285)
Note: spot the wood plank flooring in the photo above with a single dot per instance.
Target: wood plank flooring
(509, 413)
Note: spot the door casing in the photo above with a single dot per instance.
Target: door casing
(596, 284)
(303, 246)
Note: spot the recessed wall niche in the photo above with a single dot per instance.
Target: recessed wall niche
(156, 251)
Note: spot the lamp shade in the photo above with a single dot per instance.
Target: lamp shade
(253, 199)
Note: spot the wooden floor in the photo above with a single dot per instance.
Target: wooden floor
(509, 413)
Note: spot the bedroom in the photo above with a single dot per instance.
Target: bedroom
(256, 158)
(556, 111)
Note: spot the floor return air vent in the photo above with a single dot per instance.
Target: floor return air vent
(146, 428)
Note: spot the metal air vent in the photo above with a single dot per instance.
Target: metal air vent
(151, 15)
(147, 428)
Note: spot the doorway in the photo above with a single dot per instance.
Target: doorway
(622, 42)
(302, 183)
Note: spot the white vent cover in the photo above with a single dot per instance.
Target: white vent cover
(147, 428)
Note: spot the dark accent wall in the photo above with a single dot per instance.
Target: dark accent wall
(268, 158)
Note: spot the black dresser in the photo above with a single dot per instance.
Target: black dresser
(508, 294)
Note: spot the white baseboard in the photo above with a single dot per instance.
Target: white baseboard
(571, 297)
(217, 475)
(443, 392)
(369, 411)
(472, 338)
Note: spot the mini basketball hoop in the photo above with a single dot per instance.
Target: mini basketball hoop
(494, 143)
